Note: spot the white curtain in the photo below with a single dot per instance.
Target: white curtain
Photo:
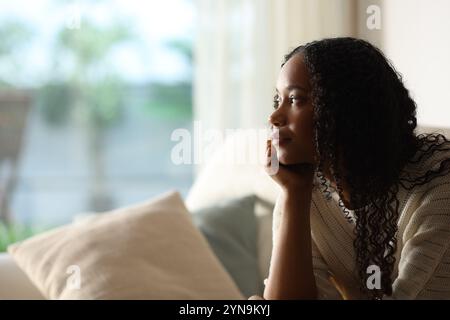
(239, 48)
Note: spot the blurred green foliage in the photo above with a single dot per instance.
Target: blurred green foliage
(183, 47)
(170, 101)
(14, 36)
(88, 84)
(12, 233)
(54, 97)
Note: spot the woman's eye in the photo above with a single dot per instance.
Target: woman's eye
(292, 100)
(297, 99)
(276, 102)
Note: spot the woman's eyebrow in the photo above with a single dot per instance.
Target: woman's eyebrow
(292, 87)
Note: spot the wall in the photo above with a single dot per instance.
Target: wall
(416, 37)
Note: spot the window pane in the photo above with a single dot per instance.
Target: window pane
(90, 92)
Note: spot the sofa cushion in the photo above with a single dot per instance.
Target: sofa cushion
(150, 250)
(231, 230)
(224, 175)
(14, 283)
(234, 169)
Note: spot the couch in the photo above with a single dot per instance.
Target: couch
(218, 180)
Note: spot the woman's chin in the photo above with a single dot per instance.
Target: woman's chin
(287, 158)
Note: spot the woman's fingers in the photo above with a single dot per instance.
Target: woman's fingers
(271, 164)
(271, 152)
(268, 152)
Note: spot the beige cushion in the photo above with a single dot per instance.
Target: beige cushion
(147, 251)
(14, 283)
(235, 169)
(223, 176)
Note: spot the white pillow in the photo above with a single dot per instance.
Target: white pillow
(223, 176)
(14, 284)
(263, 211)
(150, 250)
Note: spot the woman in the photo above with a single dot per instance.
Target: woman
(364, 210)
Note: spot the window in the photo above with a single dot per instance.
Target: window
(90, 92)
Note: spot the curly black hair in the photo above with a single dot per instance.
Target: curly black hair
(365, 121)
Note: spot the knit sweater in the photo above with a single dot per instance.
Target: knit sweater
(422, 267)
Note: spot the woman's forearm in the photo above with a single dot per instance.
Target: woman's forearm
(291, 271)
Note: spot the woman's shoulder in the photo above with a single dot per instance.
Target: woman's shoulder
(429, 166)
(427, 187)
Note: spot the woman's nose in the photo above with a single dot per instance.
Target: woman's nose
(277, 119)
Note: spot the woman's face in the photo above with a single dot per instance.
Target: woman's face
(293, 114)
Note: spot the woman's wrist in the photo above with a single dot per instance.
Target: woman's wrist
(297, 198)
(303, 180)
(299, 187)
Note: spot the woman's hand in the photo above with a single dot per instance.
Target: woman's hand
(289, 177)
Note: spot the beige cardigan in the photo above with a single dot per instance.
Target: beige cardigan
(422, 268)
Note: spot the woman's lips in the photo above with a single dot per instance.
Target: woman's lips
(279, 138)
(281, 141)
